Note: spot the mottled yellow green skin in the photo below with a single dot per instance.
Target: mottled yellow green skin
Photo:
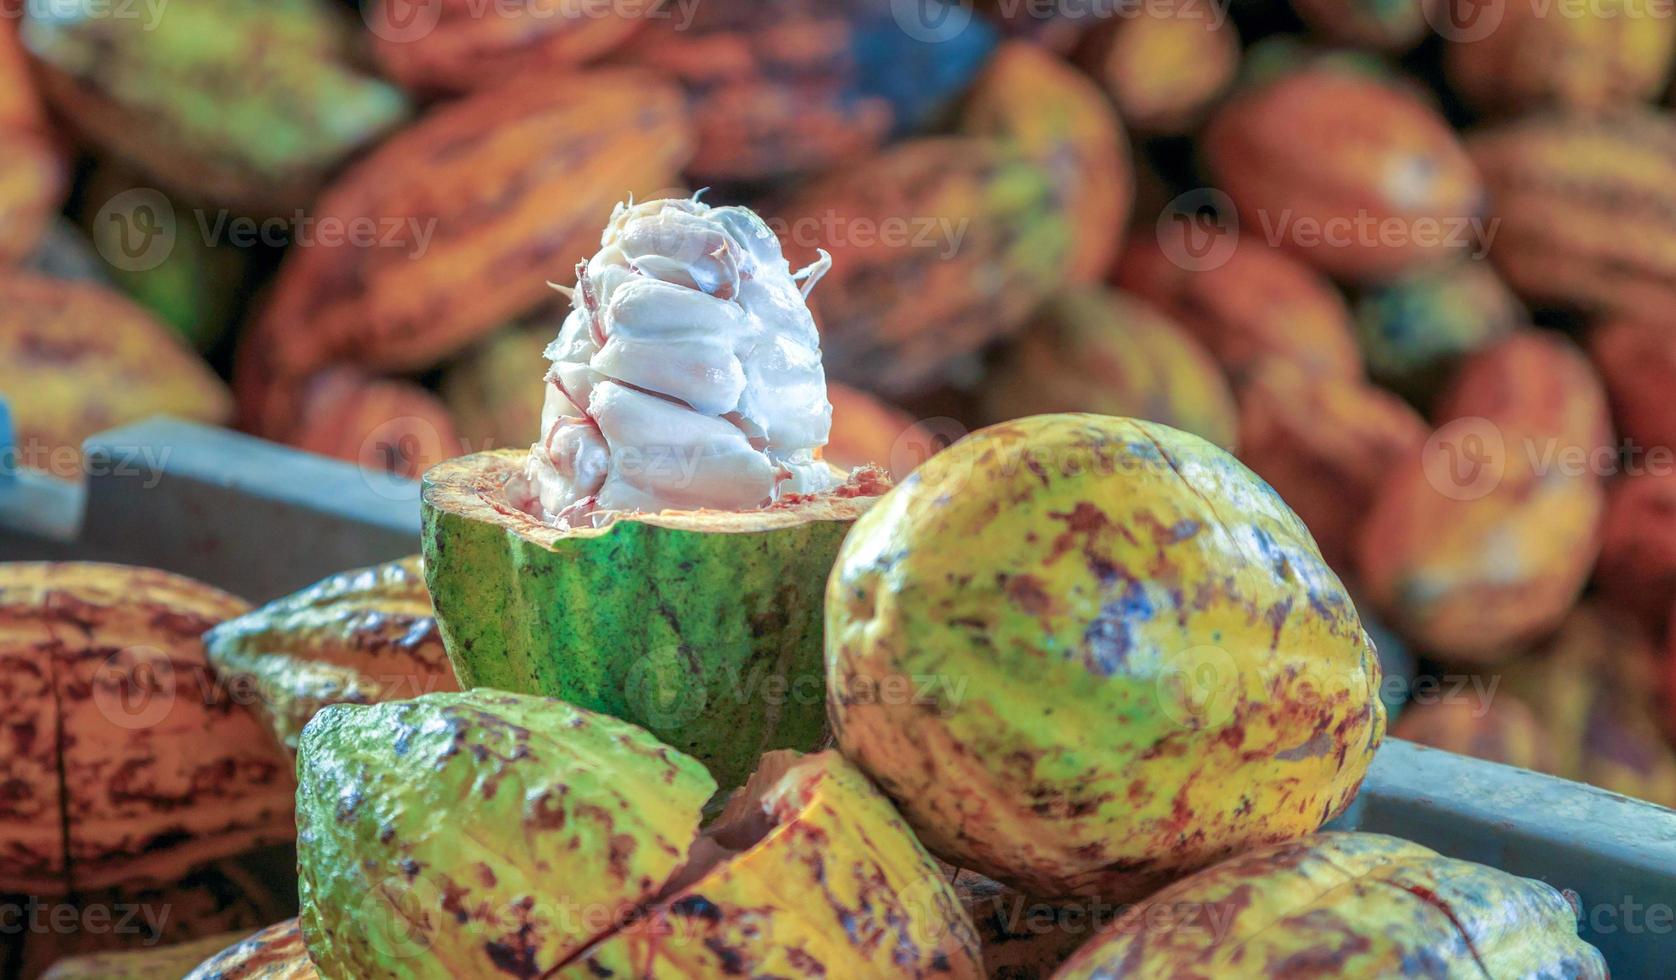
(838, 888)
(481, 834)
(1087, 655)
(1344, 905)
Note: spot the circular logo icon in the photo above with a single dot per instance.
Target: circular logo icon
(134, 689)
(928, 908)
(932, 21)
(402, 21)
(1464, 21)
(662, 689)
(396, 915)
(135, 231)
(1199, 687)
(1199, 230)
(402, 445)
(1465, 459)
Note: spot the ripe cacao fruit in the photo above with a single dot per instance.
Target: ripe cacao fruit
(1389, 25)
(1326, 445)
(1259, 303)
(133, 764)
(1637, 568)
(1165, 65)
(358, 637)
(1358, 177)
(1637, 358)
(1415, 330)
(867, 431)
(1499, 727)
(1579, 209)
(32, 178)
(1106, 352)
(165, 963)
(489, 389)
(78, 358)
(1048, 112)
(939, 246)
(246, 103)
(1480, 544)
(1338, 904)
(385, 425)
(272, 953)
(1066, 567)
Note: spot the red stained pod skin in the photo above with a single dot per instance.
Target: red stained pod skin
(1638, 360)
(1358, 177)
(1637, 568)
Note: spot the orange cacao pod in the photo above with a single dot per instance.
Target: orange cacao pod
(1498, 727)
(1359, 177)
(1637, 568)
(866, 430)
(32, 179)
(1638, 360)
(1371, 23)
(1165, 66)
(385, 425)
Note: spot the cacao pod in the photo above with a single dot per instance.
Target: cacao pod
(1637, 358)
(1500, 728)
(867, 431)
(382, 424)
(1383, 24)
(244, 102)
(1352, 905)
(985, 244)
(490, 389)
(134, 764)
(1415, 330)
(358, 637)
(1325, 444)
(1056, 27)
(164, 963)
(77, 358)
(1105, 352)
(32, 178)
(468, 228)
(1580, 210)
(1045, 110)
(1637, 568)
(1166, 65)
(20, 103)
(272, 953)
(1259, 303)
(1597, 58)
(1357, 176)
(460, 46)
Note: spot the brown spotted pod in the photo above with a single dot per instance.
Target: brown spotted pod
(1104, 351)
(1255, 303)
(1344, 904)
(1166, 65)
(386, 425)
(1047, 111)
(867, 430)
(1381, 24)
(568, 845)
(453, 227)
(1359, 177)
(1582, 206)
(461, 46)
(1479, 545)
(1496, 726)
(134, 763)
(939, 246)
(79, 358)
(357, 637)
(1325, 444)
(1637, 567)
(1637, 358)
(1023, 938)
(1597, 58)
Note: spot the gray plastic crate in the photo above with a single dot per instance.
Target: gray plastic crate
(261, 520)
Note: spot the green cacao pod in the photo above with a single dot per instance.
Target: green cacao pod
(1415, 330)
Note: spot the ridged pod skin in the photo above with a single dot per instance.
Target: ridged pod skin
(1481, 543)
(1260, 303)
(800, 86)
(986, 243)
(166, 963)
(357, 637)
(461, 834)
(274, 953)
(457, 46)
(1326, 445)
(383, 424)
(1637, 358)
(32, 177)
(1598, 58)
(498, 189)
(830, 883)
(1042, 108)
(1637, 567)
(1088, 655)
(867, 431)
(129, 765)
(1594, 686)
(1165, 67)
(1388, 25)
(78, 358)
(1021, 938)
(1340, 904)
(1415, 330)
(1314, 155)
(612, 619)
(1106, 352)
(1582, 207)
(1498, 727)
(486, 392)
(245, 103)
